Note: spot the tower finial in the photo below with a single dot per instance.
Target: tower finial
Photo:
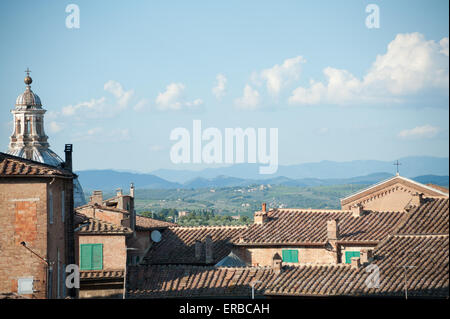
(28, 80)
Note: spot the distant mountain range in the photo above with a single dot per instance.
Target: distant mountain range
(426, 170)
(410, 167)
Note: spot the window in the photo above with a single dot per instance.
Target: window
(91, 256)
(349, 255)
(290, 255)
(25, 286)
(50, 207)
(62, 205)
(27, 127)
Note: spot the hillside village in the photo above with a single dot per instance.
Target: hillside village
(380, 235)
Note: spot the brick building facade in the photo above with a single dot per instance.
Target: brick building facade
(36, 214)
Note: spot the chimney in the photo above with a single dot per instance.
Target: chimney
(132, 190)
(417, 199)
(366, 256)
(332, 229)
(208, 249)
(96, 197)
(68, 153)
(119, 192)
(277, 263)
(198, 249)
(357, 210)
(356, 263)
(261, 217)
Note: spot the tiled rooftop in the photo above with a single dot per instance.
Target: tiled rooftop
(423, 248)
(17, 166)
(177, 245)
(150, 223)
(103, 207)
(101, 274)
(96, 226)
(297, 226)
(429, 218)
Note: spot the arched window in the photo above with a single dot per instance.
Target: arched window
(27, 127)
(19, 127)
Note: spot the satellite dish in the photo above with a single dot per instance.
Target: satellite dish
(156, 236)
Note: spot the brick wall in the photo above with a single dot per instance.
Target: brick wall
(105, 215)
(262, 256)
(24, 207)
(114, 249)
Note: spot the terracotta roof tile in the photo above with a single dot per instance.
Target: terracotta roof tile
(295, 226)
(17, 166)
(101, 274)
(432, 217)
(177, 245)
(150, 223)
(94, 226)
(427, 254)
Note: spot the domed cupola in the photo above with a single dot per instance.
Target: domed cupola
(29, 140)
(28, 99)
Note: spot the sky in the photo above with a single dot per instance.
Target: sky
(117, 86)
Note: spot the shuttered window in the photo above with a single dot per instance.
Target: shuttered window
(349, 255)
(91, 256)
(290, 255)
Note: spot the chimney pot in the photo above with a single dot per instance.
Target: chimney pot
(209, 250)
(68, 154)
(356, 263)
(357, 210)
(198, 249)
(366, 256)
(96, 197)
(332, 229)
(264, 207)
(417, 199)
(277, 263)
(132, 190)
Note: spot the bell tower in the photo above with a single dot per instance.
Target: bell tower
(28, 139)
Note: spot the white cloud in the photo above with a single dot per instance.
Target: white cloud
(93, 107)
(194, 103)
(410, 65)
(98, 134)
(116, 89)
(219, 89)
(444, 46)
(55, 127)
(250, 100)
(426, 131)
(173, 98)
(278, 76)
(142, 105)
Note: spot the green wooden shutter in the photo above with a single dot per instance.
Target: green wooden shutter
(97, 256)
(294, 256)
(290, 255)
(349, 255)
(85, 257)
